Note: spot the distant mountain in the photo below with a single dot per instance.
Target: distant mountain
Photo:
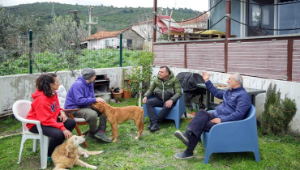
(110, 18)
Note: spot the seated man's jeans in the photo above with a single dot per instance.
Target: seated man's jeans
(91, 116)
(201, 122)
(156, 102)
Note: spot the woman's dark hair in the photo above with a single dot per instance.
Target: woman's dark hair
(167, 68)
(43, 83)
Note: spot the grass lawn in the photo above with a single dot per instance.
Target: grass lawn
(153, 150)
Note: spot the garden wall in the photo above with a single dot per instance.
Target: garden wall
(17, 87)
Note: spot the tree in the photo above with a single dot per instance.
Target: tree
(13, 39)
(62, 37)
(144, 25)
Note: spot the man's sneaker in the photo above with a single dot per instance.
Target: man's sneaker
(92, 135)
(184, 155)
(182, 136)
(149, 126)
(154, 127)
(101, 136)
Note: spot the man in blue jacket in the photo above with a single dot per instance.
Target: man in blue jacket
(236, 103)
(81, 96)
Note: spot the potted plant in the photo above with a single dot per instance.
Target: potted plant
(126, 93)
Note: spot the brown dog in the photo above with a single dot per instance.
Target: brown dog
(116, 115)
(68, 153)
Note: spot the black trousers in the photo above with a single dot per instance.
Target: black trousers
(201, 122)
(57, 136)
(156, 102)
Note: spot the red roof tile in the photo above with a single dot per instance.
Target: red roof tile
(202, 18)
(104, 34)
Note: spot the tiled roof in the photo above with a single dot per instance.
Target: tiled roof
(104, 34)
(202, 18)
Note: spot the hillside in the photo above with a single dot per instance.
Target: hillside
(110, 18)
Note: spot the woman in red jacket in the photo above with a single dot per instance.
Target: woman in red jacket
(45, 108)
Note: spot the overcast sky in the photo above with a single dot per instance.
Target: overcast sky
(199, 5)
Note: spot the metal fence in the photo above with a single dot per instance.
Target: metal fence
(17, 60)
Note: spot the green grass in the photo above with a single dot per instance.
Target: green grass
(155, 150)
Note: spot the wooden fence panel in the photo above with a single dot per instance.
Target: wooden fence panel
(209, 56)
(171, 55)
(267, 59)
(296, 61)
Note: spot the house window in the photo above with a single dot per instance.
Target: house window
(260, 17)
(289, 16)
(107, 43)
(129, 42)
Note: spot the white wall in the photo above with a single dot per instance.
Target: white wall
(101, 44)
(291, 89)
(146, 31)
(19, 87)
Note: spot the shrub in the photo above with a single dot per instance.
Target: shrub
(136, 76)
(278, 112)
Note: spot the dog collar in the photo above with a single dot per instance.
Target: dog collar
(108, 111)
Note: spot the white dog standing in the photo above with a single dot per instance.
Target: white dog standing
(68, 153)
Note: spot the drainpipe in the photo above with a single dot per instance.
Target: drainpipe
(228, 32)
(154, 21)
(228, 21)
(121, 49)
(276, 17)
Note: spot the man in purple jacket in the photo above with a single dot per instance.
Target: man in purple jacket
(236, 103)
(81, 96)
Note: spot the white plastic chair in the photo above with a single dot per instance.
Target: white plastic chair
(20, 110)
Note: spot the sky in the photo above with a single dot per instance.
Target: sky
(199, 5)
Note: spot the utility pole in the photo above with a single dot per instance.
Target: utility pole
(91, 20)
(75, 16)
(53, 9)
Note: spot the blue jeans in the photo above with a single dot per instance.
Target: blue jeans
(201, 122)
(156, 102)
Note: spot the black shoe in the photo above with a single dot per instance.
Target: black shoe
(92, 135)
(149, 126)
(101, 136)
(184, 155)
(184, 137)
(154, 127)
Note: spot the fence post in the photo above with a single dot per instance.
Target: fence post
(121, 49)
(30, 51)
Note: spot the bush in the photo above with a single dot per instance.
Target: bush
(278, 112)
(136, 76)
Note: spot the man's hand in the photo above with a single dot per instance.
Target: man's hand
(216, 120)
(168, 103)
(67, 134)
(63, 117)
(144, 99)
(205, 76)
(99, 99)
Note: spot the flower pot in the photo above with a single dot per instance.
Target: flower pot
(126, 94)
(117, 95)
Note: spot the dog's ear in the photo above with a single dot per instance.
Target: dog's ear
(101, 106)
(70, 150)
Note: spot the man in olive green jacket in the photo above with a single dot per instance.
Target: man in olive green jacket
(167, 90)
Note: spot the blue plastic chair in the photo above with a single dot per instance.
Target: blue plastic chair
(175, 114)
(235, 136)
